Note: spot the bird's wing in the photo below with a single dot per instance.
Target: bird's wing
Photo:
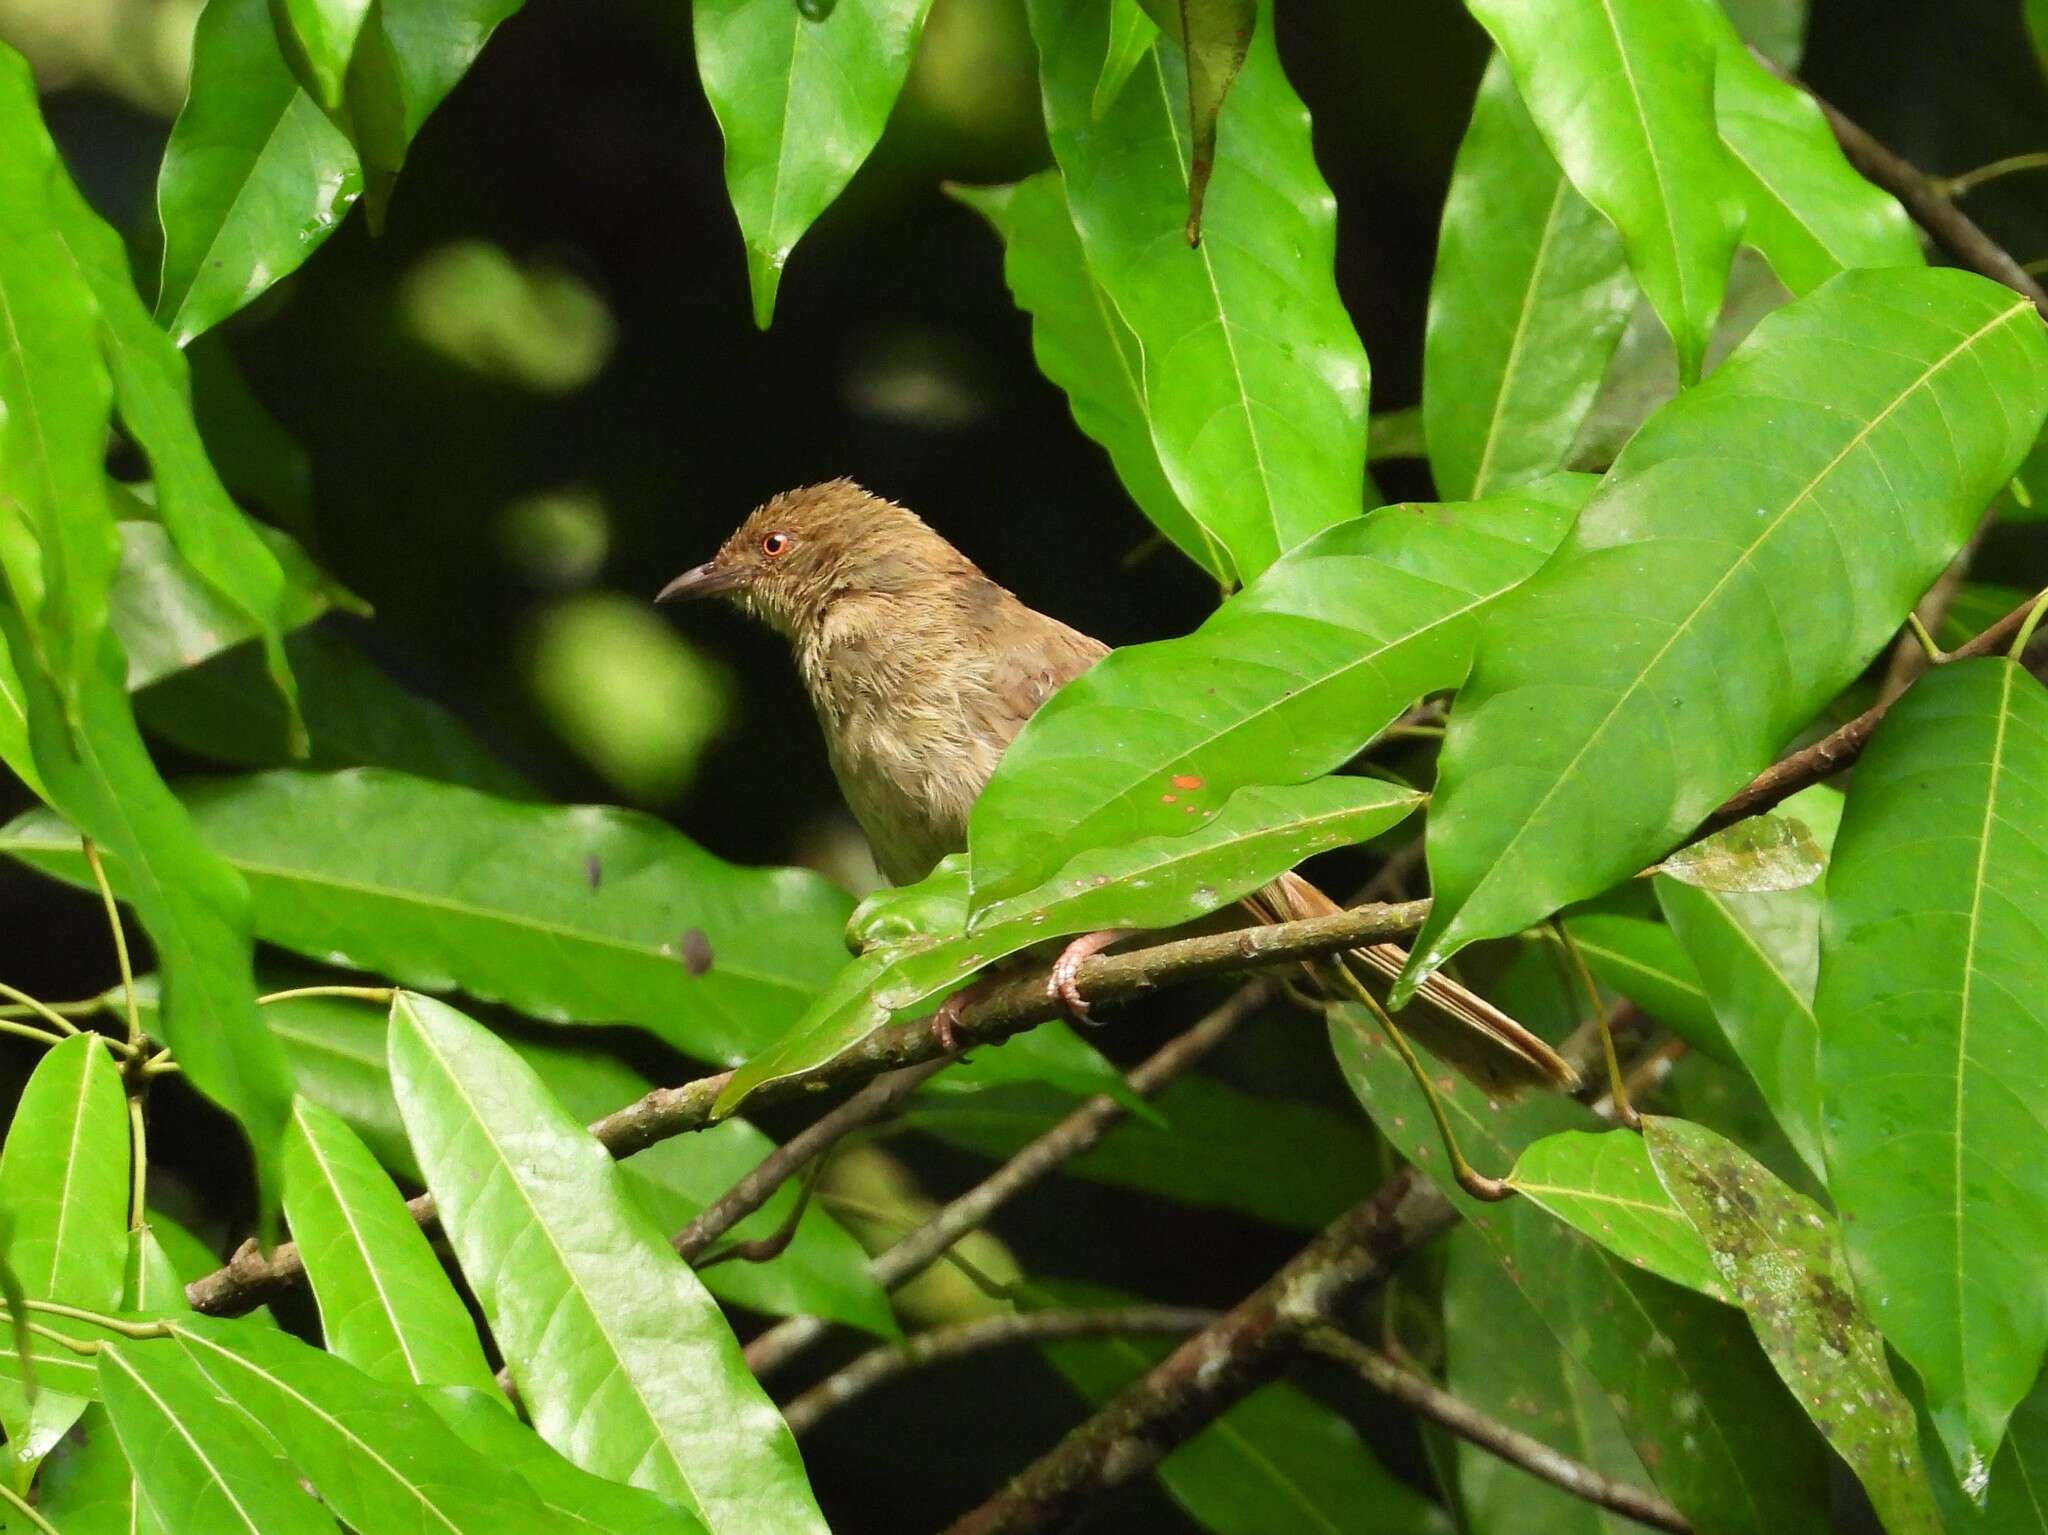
(1041, 656)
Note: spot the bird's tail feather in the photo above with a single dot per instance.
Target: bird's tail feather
(1455, 1024)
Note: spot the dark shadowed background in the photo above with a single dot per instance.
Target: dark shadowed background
(538, 394)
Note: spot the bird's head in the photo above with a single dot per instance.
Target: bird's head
(805, 550)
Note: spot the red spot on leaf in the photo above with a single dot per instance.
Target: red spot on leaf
(1186, 781)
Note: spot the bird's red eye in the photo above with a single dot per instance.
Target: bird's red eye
(776, 545)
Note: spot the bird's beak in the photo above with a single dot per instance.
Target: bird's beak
(700, 581)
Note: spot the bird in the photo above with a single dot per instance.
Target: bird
(922, 670)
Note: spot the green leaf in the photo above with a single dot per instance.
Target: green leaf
(1789, 510)
(1933, 1011)
(358, 717)
(1701, 1405)
(1278, 1460)
(247, 572)
(204, 1468)
(1809, 212)
(254, 178)
(801, 100)
(337, 1051)
(1758, 957)
(64, 1196)
(1500, 1358)
(571, 1494)
(1296, 674)
(439, 886)
(168, 619)
(2013, 1498)
(1782, 1254)
(385, 1305)
(1640, 959)
(381, 1458)
(1297, 1165)
(1255, 379)
(323, 34)
(87, 1486)
(57, 549)
(1151, 883)
(1604, 1186)
(1131, 35)
(1083, 345)
(1775, 28)
(1623, 91)
(409, 55)
(1528, 299)
(1763, 854)
(623, 1361)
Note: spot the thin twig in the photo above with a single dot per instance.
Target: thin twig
(1834, 752)
(1220, 1364)
(249, 1280)
(1909, 658)
(1961, 185)
(99, 878)
(1427, 1399)
(878, 1099)
(1083, 1128)
(22, 1507)
(880, 1365)
(64, 1026)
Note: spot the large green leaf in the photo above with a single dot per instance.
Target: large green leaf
(385, 1305)
(1782, 1256)
(1933, 1010)
(64, 1197)
(801, 95)
(1082, 344)
(1623, 91)
(623, 1361)
(439, 886)
(380, 1457)
(357, 717)
(1254, 378)
(1295, 1164)
(254, 178)
(204, 1467)
(337, 1052)
(1528, 298)
(1758, 957)
(57, 549)
(1277, 1460)
(88, 1488)
(168, 619)
(1700, 1403)
(1789, 510)
(1809, 213)
(1605, 1186)
(153, 394)
(1500, 1358)
(1296, 673)
(1154, 882)
(571, 1494)
(1299, 672)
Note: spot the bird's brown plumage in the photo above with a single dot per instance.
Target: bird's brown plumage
(922, 670)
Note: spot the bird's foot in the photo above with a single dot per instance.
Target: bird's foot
(946, 1021)
(1061, 984)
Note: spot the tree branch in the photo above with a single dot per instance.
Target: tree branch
(875, 1101)
(881, 1365)
(1427, 1399)
(1081, 1129)
(1834, 752)
(1220, 1364)
(1928, 200)
(248, 1279)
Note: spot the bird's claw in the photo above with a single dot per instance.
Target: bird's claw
(945, 1022)
(1062, 985)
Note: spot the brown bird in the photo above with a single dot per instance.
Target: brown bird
(922, 670)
